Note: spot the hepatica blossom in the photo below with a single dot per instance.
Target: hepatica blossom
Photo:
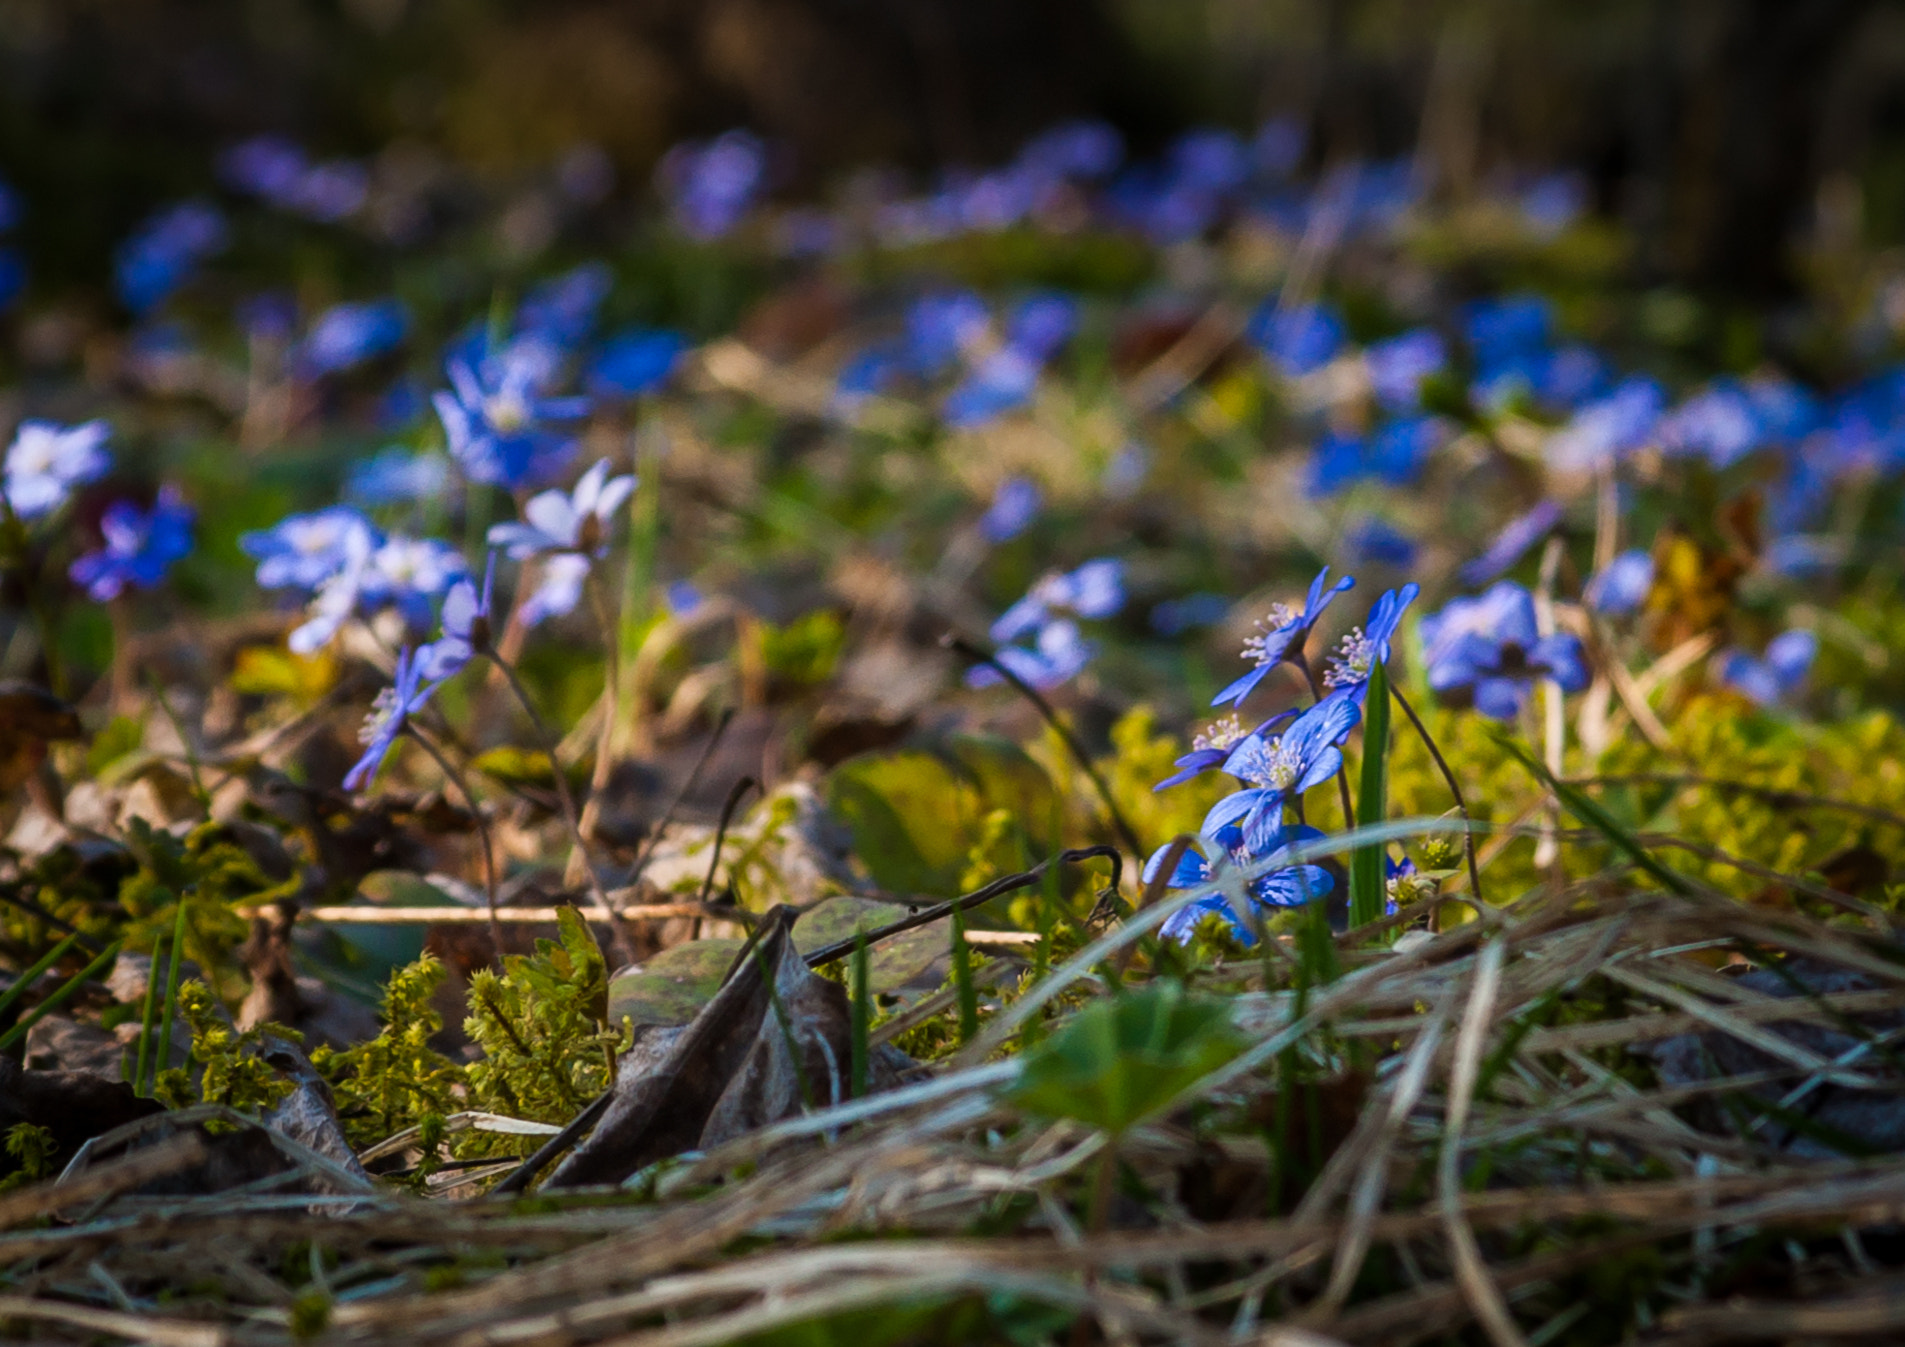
(1487, 651)
(1282, 886)
(1297, 340)
(1277, 772)
(388, 715)
(1622, 587)
(712, 185)
(1778, 675)
(567, 530)
(140, 546)
(502, 428)
(1280, 636)
(568, 521)
(1367, 646)
(347, 335)
(46, 461)
(635, 362)
(277, 171)
(165, 251)
(1056, 650)
(305, 550)
(1014, 506)
(1397, 367)
(1211, 746)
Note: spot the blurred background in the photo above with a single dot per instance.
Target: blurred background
(1719, 133)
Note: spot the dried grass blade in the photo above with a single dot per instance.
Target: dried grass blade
(1471, 1275)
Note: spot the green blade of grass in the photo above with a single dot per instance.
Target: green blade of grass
(862, 1016)
(1578, 803)
(64, 993)
(962, 980)
(171, 990)
(32, 975)
(1368, 887)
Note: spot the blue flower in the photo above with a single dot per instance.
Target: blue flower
(1781, 673)
(495, 421)
(1094, 590)
(712, 186)
(1211, 747)
(1041, 325)
(1376, 542)
(349, 334)
(562, 310)
(1517, 536)
(1277, 771)
(163, 253)
(1398, 366)
(1014, 506)
(466, 627)
(393, 707)
(305, 550)
(558, 590)
(1487, 651)
(275, 170)
(635, 362)
(397, 476)
(1003, 381)
(1058, 655)
(12, 276)
(941, 329)
(1077, 149)
(1720, 424)
(1604, 432)
(140, 546)
(409, 574)
(575, 521)
(1286, 886)
(1622, 587)
(1297, 340)
(46, 461)
(1367, 646)
(1281, 636)
(1395, 455)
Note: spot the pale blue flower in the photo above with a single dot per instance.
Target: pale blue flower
(305, 550)
(1279, 771)
(1776, 677)
(1621, 589)
(46, 461)
(573, 521)
(389, 713)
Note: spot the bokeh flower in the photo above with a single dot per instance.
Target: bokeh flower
(46, 461)
(140, 546)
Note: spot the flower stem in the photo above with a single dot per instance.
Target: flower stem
(1126, 833)
(482, 828)
(1455, 789)
(548, 746)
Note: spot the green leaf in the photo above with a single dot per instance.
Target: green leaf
(1368, 885)
(1125, 1058)
(674, 985)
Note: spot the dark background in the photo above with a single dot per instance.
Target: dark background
(1714, 129)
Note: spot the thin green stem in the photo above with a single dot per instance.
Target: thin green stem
(1455, 789)
(171, 990)
(482, 828)
(548, 746)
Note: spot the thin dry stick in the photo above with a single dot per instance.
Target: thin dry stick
(1126, 833)
(1455, 789)
(1483, 1297)
(548, 746)
(482, 828)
